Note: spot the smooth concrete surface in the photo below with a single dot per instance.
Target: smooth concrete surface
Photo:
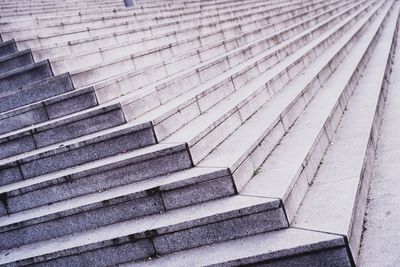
(380, 244)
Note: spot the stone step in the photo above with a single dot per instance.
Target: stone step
(16, 60)
(107, 55)
(23, 199)
(95, 73)
(205, 129)
(17, 10)
(246, 149)
(84, 18)
(79, 151)
(113, 21)
(23, 14)
(19, 77)
(121, 39)
(287, 247)
(298, 156)
(90, 39)
(109, 89)
(46, 88)
(98, 111)
(175, 230)
(49, 26)
(8, 47)
(168, 94)
(95, 176)
(343, 179)
(51, 152)
(32, 6)
(86, 14)
(146, 17)
(69, 127)
(151, 196)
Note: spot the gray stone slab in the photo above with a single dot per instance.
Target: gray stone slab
(77, 128)
(81, 219)
(24, 119)
(17, 146)
(107, 253)
(17, 78)
(64, 158)
(208, 216)
(251, 224)
(36, 91)
(10, 174)
(70, 105)
(198, 192)
(113, 209)
(288, 247)
(92, 180)
(16, 60)
(7, 48)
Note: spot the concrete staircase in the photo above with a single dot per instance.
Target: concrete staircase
(189, 133)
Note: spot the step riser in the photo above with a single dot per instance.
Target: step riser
(16, 62)
(103, 254)
(8, 48)
(81, 183)
(152, 201)
(10, 81)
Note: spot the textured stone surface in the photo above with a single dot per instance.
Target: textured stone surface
(19, 77)
(36, 91)
(278, 248)
(189, 133)
(16, 60)
(7, 48)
